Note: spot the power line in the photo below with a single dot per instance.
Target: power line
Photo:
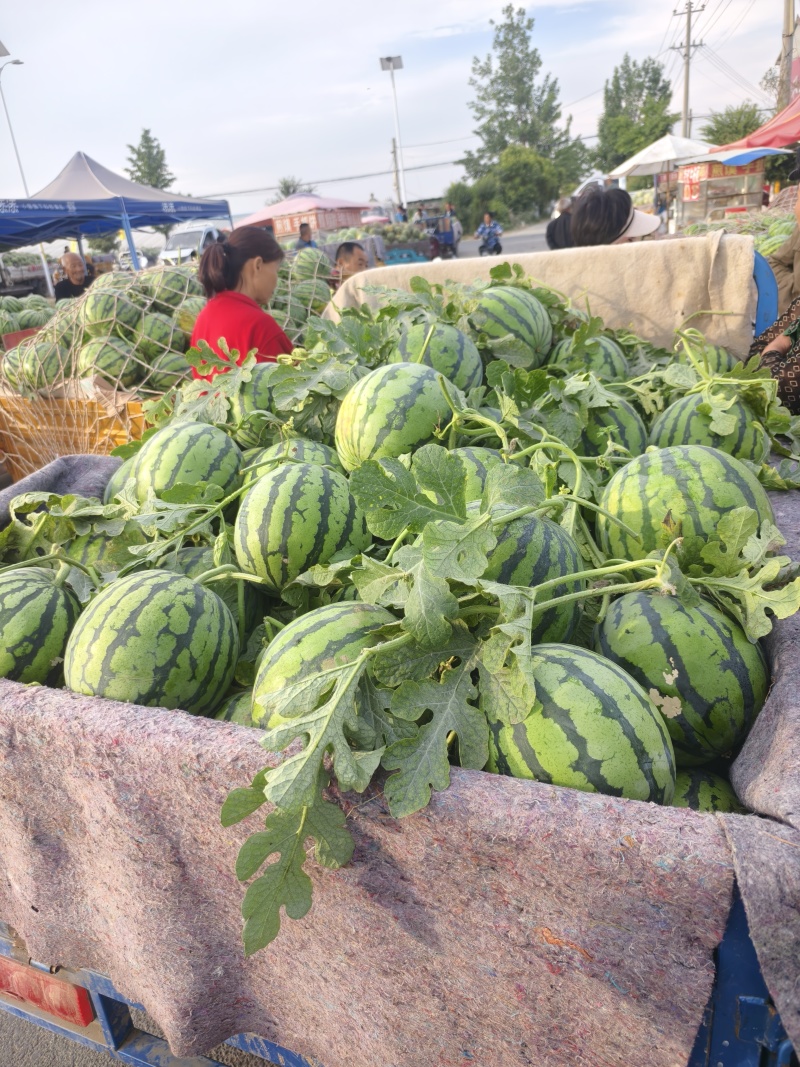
(738, 79)
(713, 16)
(452, 140)
(732, 31)
(332, 181)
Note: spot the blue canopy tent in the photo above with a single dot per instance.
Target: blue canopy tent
(86, 198)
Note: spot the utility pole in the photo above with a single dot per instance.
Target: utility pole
(396, 171)
(787, 48)
(686, 50)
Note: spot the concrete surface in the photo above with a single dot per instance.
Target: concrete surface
(529, 239)
(24, 1045)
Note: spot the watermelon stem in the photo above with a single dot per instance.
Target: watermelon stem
(228, 570)
(545, 505)
(424, 349)
(60, 578)
(396, 544)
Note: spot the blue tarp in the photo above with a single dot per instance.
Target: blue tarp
(87, 198)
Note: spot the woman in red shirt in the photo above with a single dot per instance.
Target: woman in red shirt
(238, 274)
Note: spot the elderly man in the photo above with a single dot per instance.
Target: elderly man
(305, 240)
(76, 282)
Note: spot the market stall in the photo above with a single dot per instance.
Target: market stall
(721, 183)
(322, 214)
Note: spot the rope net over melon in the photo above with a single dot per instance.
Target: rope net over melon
(81, 383)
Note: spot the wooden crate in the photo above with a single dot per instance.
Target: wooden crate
(35, 432)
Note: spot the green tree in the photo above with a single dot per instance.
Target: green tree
(528, 181)
(147, 163)
(513, 104)
(733, 123)
(635, 111)
(104, 242)
(290, 185)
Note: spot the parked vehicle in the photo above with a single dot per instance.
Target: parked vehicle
(188, 243)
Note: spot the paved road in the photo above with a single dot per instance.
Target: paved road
(531, 239)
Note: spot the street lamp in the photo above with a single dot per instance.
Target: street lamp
(393, 63)
(18, 63)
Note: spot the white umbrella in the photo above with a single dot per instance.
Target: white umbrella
(660, 156)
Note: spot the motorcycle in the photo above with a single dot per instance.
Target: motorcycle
(490, 247)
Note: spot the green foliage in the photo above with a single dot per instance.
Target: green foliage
(147, 165)
(290, 185)
(528, 181)
(104, 242)
(733, 123)
(514, 104)
(635, 111)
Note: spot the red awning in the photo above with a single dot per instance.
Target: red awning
(779, 132)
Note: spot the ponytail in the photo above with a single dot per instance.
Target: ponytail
(222, 263)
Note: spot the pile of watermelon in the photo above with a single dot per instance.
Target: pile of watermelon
(24, 312)
(130, 332)
(472, 528)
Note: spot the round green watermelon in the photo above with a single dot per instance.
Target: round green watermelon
(157, 334)
(157, 639)
(706, 678)
(292, 450)
(390, 411)
(313, 293)
(531, 550)
(253, 396)
(103, 552)
(36, 617)
(237, 708)
(196, 560)
(619, 422)
(109, 358)
(310, 263)
(192, 453)
(9, 323)
(298, 515)
(327, 637)
(118, 479)
(713, 358)
(682, 424)
(477, 462)
(43, 364)
(592, 727)
(166, 371)
(449, 351)
(600, 355)
(187, 312)
(506, 311)
(106, 312)
(673, 492)
(703, 791)
(11, 368)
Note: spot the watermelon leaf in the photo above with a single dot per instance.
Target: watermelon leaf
(422, 761)
(414, 663)
(458, 550)
(511, 486)
(378, 583)
(735, 530)
(389, 496)
(243, 802)
(440, 473)
(429, 609)
(748, 599)
(379, 726)
(504, 659)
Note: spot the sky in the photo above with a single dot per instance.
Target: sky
(242, 93)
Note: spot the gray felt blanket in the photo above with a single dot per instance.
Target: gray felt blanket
(511, 923)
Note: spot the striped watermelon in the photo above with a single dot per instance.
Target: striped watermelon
(477, 462)
(11, 366)
(679, 491)
(9, 323)
(118, 479)
(298, 515)
(531, 550)
(167, 371)
(327, 637)
(255, 395)
(43, 363)
(157, 639)
(310, 263)
(505, 310)
(293, 450)
(449, 351)
(193, 453)
(158, 333)
(699, 668)
(187, 312)
(103, 552)
(11, 304)
(714, 358)
(169, 287)
(34, 318)
(390, 411)
(104, 312)
(109, 358)
(682, 424)
(592, 728)
(237, 708)
(37, 614)
(196, 560)
(620, 422)
(704, 791)
(601, 355)
(313, 293)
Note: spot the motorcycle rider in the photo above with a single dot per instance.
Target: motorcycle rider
(490, 231)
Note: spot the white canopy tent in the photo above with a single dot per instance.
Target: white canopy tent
(661, 156)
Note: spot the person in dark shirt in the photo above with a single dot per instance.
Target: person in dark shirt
(305, 240)
(76, 282)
